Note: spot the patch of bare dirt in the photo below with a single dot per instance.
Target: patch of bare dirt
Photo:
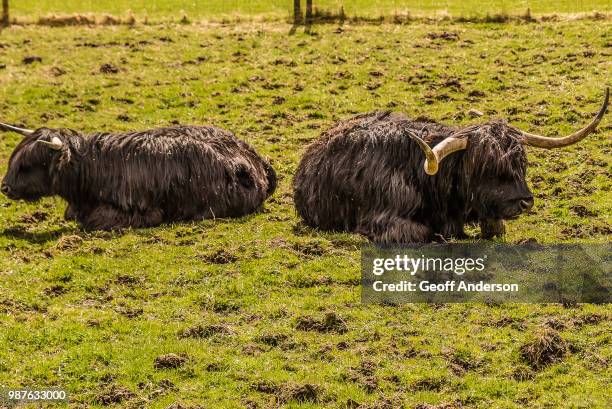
(545, 348)
(523, 373)
(127, 279)
(69, 242)
(265, 387)
(582, 211)
(129, 312)
(273, 340)
(589, 319)
(461, 362)
(505, 322)
(578, 231)
(392, 402)
(8, 306)
(310, 248)
(219, 257)
(108, 68)
(35, 217)
(204, 331)
(31, 59)
(251, 349)
(169, 361)
(329, 323)
(55, 290)
(429, 384)
(57, 71)
(476, 94)
(364, 376)
(300, 393)
(114, 394)
(216, 367)
(445, 35)
(557, 323)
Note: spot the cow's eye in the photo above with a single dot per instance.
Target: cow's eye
(25, 168)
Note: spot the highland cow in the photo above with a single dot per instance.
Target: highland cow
(139, 179)
(377, 175)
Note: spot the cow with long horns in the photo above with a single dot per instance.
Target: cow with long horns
(376, 174)
(139, 179)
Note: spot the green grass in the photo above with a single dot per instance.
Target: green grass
(216, 8)
(91, 311)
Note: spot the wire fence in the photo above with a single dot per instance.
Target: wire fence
(294, 9)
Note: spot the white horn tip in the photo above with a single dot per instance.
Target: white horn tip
(55, 144)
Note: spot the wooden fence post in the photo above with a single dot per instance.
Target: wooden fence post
(5, 13)
(297, 12)
(308, 11)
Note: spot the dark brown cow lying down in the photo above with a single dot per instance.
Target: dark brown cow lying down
(373, 174)
(138, 179)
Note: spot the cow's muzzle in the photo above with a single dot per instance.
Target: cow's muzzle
(526, 204)
(5, 189)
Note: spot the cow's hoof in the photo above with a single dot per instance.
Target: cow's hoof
(492, 228)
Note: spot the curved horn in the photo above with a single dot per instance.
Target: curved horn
(550, 143)
(55, 144)
(11, 128)
(430, 157)
(434, 156)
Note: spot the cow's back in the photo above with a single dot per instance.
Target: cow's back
(184, 170)
(361, 167)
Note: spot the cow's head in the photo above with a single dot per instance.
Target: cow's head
(495, 164)
(29, 176)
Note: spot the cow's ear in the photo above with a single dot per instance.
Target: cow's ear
(56, 143)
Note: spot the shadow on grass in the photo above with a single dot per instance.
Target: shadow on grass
(197, 226)
(39, 237)
(20, 232)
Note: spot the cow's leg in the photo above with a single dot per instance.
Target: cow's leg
(490, 228)
(453, 231)
(397, 230)
(71, 213)
(108, 217)
(149, 218)
(104, 217)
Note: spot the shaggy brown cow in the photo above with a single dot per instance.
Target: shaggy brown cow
(140, 179)
(366, 175)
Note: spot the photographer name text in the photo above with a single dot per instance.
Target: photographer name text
(448, 286)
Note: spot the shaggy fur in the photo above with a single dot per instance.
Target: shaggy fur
(142, 179)
(366, 175)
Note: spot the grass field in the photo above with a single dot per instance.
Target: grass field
(166, 9)
(261, 311)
